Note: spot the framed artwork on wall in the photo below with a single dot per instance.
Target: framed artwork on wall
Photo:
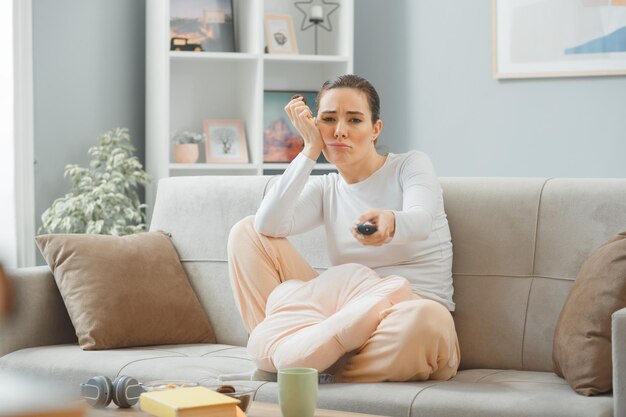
(225, 141)
(279, 35)
(202, 25)
(559, 38)
(281, 141)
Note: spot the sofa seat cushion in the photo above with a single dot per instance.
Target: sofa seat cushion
(477, 392)
(488, 392)
(72, 365)
(472, 393)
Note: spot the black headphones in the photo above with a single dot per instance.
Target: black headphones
(99, 391)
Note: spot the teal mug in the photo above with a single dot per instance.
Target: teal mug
(297, 391)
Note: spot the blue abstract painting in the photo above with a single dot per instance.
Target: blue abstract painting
(613, 42)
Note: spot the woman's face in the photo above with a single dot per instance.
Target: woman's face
(345, 122)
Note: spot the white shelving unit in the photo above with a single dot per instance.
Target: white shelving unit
(185, 88)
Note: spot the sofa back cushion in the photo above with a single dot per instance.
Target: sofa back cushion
(518, 244)
(199, 212)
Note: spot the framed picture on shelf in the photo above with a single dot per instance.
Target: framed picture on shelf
(225, 141)
(202, 25)
(279, 35)
(281, 141)
(558, 38)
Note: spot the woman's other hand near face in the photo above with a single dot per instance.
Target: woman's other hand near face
(302, 119)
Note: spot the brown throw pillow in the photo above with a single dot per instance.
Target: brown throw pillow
(581, 350)
(125, 291)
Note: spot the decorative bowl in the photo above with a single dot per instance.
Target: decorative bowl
(241, 392)
(163, 384)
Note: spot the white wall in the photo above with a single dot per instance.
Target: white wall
(8, 242)
(471, 124)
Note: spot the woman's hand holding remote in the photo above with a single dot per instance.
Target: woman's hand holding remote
(384, 220)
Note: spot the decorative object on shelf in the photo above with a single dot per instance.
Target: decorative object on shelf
(315, 15)
(202, 25)
(281, 141)
(186, 149)
(104, 198)
(279, 35)
(225, 141)
(182, 44)
(558, 39)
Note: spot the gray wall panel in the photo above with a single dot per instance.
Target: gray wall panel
(88, 75)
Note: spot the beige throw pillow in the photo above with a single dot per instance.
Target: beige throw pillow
(125, 291)
(582, 339)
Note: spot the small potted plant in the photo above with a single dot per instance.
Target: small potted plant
(186, 149)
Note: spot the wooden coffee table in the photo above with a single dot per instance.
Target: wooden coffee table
(257, 409)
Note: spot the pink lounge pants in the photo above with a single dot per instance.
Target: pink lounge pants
(415, 340)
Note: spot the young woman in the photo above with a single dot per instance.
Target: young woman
(398, 193)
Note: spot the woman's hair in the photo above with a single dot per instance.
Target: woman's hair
(358, 83)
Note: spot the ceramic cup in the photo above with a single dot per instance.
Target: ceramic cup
(297, 391)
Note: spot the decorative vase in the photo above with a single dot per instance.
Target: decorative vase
(186, 153)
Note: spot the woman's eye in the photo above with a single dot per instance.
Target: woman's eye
(328, 119)
(355, 120)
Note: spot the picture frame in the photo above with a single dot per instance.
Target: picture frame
(202, 25)
(225, 141)
(279, 35)
(551, 38)
(281, 141)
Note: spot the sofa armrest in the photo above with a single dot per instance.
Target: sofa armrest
(39, 316)
(618, 332)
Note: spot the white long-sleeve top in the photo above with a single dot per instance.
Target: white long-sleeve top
(421, 249)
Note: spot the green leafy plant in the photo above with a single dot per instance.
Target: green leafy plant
(104, 198)
(186, 137)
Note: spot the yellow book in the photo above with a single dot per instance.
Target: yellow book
(188, 402)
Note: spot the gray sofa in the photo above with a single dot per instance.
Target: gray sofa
(518, 246)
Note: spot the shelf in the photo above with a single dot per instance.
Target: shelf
(306, 72)
(242, 167)
(205, 166)
(212, 56)
(273, 165)
(235, 56)
(305, 58)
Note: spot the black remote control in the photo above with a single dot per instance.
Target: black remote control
(366, 228)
